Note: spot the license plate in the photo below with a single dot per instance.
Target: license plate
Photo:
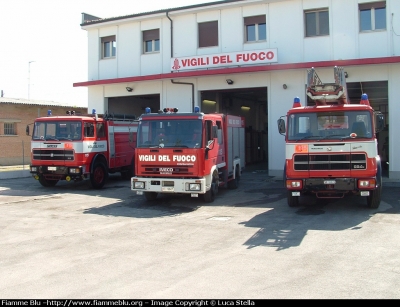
(329, 181)
(364, 193)
(194, 195)
(295, 193)
(139, 192)
(52, 168)
(167, 189)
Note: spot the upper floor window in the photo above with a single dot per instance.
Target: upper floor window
(208, 34)
(317, 22)
(151, 40)
(9, 129)
(372, 16)
(256, 29)
(109, 46)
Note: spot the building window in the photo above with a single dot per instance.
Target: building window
(9, 129)
(109, 47)
(208, 34)
(256, 29)
(372, 16)
(151, 41)
(317, 22)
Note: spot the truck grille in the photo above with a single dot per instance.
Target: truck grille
(162, 170)
(330, 162)
(53, 154)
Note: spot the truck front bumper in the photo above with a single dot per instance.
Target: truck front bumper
(168, 185)
(330, 187)
(52, 172)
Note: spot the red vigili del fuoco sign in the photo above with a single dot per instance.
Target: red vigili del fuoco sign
(225, 59)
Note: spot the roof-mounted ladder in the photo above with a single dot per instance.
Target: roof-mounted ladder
(327, 93)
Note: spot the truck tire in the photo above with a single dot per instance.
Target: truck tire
(293, 201)
(234, 184)
(209, 196)
(150, 195)
(374, 198)
(46, 182)
(98, 176)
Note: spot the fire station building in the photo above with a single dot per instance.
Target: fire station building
(247, 58)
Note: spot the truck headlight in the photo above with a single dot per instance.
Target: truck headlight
(138, 185)
(74, 170)
(194, 186)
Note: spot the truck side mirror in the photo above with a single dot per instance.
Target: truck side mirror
(27, 130)
(379, 121)
(281, 126)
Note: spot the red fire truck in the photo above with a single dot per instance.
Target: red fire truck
(331, 146)
(82, 147)
(188, 153)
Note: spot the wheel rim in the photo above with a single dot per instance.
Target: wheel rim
(98, 174)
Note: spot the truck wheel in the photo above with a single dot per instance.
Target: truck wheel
(293, 201)
(150, 195)
(46, 182)
(209, 196)
(234, 184)
(374, 198)
(99, 175)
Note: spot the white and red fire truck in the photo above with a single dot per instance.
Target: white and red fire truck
(188, 153)
(89, 146)
(331, 146)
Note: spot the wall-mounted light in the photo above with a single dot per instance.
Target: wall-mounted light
(129, 89)
(229, 81)
(209, 101)
(346, 75)
(245, 108)
(284, 86)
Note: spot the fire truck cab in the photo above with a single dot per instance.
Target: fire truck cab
(331, 146)
(188, 153)
(77, 147)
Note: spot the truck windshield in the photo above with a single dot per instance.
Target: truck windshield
(185, 133)
(57, 130)
(329, 125)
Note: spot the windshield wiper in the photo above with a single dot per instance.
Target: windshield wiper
(338, 136)
(50, 138)
(309, 137)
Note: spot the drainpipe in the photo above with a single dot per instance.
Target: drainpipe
(192, 84)
(172, 34)
(172, 52)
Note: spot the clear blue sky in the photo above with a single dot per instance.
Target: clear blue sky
(48, 32)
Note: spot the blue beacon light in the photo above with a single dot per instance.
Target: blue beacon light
(364, 99)
(147, 110)
(196, 109)
(48, 112)
(296, 102)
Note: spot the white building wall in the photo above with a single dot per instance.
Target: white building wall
(284, 32)
(394, 122)
(129, 42)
